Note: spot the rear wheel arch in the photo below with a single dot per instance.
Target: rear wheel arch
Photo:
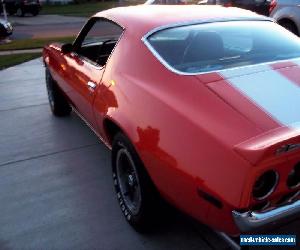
(111, 129)
(118, 123)
(289, 24)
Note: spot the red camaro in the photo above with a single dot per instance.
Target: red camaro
(199, 104)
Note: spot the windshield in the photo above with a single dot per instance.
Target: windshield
(222, 45)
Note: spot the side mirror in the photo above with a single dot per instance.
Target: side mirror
(66, 48)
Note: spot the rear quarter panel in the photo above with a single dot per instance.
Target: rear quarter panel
(178, 128)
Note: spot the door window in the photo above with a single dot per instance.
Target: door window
(97, 40)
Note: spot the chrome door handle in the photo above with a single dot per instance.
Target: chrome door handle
(92, 85)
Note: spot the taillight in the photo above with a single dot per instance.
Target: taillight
(265, 184)
(272, 6)
(228, 4)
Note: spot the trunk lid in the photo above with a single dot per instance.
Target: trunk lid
(269, 96)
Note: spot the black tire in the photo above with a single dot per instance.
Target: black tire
(142, 215)
(290, 26)
(58, 102)
(20, 12)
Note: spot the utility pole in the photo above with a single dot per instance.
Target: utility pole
(4, 10)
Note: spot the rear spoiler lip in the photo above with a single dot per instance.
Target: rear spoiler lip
(274, 143)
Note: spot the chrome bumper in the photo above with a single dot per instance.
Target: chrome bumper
(251, 221)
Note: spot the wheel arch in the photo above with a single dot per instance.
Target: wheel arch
(288, 20)
(112, 126)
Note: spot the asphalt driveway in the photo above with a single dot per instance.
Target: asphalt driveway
(56, 188)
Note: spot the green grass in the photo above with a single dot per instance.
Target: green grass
(11, 60)
(33, 43)
(83, 9)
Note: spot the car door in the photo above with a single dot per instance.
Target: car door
(85, 65)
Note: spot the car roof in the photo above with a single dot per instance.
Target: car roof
(144, 18)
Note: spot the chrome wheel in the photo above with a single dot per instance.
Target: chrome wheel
(128, 181)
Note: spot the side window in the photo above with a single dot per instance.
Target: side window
(98, 40)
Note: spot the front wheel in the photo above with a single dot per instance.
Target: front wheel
(58, 102)
(137, 196)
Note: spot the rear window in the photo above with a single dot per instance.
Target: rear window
(222, 45)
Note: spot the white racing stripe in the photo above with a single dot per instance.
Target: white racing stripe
(271, 91)
(246, 70)
(296, 61)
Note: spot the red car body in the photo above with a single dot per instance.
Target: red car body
(203, 141)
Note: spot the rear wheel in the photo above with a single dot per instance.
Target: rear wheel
(58, 102)
(137, 196)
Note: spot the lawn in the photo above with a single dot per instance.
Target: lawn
(11, 60)
(83, 9)
(80, 9)
(33, 43)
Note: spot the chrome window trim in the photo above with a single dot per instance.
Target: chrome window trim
(94, 64)
(89, 62)
(203, 21)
